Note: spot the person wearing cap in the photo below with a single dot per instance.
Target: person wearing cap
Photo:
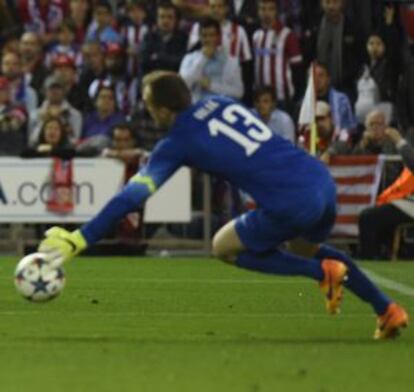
(55, 105)
(331, 139)
(64, 69)
(12, 122)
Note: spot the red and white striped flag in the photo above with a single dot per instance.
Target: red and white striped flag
(357, 180)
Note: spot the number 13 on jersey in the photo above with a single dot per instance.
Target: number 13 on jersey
(257, 132)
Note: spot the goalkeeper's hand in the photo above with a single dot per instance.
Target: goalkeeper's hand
(61, 245)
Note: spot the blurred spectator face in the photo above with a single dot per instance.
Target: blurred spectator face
(265, 105)
(267, 12)
(122, 139)
(55, 94)
(66, 74)
(210, 37)
(53, 133)
(93, 55)
(11, 66)
(137, 14)
(102, 16)
(218, 9)
(376, 124)
(333, 8)
(114, 58)
(12, 44)
(79, 8)
(166, 19)
(325, 126)
(105, 101)
(30, 46)
(375, 47)
(322, 81)
(66, 36)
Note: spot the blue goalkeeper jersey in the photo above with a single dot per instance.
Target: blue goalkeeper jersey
(225, 139)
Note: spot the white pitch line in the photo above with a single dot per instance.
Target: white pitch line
(390, 284)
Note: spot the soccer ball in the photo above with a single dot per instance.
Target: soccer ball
(36, 280)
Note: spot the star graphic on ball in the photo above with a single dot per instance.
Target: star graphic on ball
(40, 285)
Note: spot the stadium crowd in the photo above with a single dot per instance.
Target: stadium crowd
(71, 71)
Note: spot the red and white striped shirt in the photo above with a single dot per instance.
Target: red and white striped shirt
(42, 19)
(275, 51)
(133, 36)
(233, 39)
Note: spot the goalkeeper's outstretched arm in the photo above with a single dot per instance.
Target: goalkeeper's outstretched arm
(61, 245)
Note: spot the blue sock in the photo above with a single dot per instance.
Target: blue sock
(280, 263)
(357, 281)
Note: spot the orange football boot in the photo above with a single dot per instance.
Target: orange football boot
(335, 274)
(389, 324)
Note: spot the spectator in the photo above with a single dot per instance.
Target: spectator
(339, 102)
(93, 64)
(20, 91)
(211, 70)
(278, 60)
(126, 89)
(55, 105)
(124, 147)
(65, 44)
(65, 70)
(42, 16)
(405, 101)
(244, 12)
(100, 122)
(331, 140)
(7, 20)
(79, 12)
(374, 141)
(52, 141)
(378, 80)
(165, 46)
(233, 36)
(13, 120)
(277, 120)
(339, 45)
(101, 27)
(192, 8)
(31, 53)
(394, 206)
(133, 33)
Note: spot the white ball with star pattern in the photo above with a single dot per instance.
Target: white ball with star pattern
(36, 281)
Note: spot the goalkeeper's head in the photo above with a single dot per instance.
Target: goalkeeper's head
(165, 95)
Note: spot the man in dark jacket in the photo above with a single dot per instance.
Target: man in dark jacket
(165, 47)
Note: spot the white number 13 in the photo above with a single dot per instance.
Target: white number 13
(258, 133)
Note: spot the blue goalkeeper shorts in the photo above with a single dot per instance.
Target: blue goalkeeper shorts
(262, 231)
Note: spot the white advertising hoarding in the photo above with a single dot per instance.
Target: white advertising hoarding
(25, 186)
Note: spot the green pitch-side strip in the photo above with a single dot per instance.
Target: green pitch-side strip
(146, 180)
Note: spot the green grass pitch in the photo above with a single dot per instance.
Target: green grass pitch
(125, 324)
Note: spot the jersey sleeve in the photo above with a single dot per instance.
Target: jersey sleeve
(165, 159)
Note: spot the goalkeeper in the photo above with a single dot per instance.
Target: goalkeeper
(294, 192)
